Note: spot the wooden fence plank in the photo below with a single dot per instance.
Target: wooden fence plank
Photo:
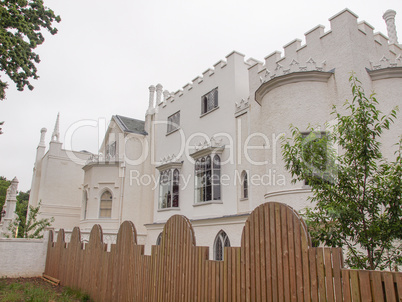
(347, 297)
(377, 291)
(321, 274)
(285, 253)
(313, 274)
(292, 264)
(389, 287)
(355, 288)
(337, 265)
(268, 252)
(260, 239)
(257, 257)
(275, 262)
(274, 276)
(328, 275)
(398, 282)
(279, 254)
(364, 283)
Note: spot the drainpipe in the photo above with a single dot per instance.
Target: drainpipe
(123, 165)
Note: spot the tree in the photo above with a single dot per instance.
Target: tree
(356, 192)
(4, 184)
(21, 210)
(32, 227)
(21, 22)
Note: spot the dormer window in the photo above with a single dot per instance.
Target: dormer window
(209, 101)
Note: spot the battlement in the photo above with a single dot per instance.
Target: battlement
(323, 50)
(231, 61)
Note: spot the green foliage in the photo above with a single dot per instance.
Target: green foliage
(21, 22)
(4, 184)
(357, 193)
(21, 210)
(36, 290)
(76, 293)
(32, 227)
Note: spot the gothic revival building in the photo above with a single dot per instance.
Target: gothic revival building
(211, 151)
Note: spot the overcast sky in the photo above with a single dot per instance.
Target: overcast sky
(107, 53)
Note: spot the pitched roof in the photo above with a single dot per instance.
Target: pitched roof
(128, 124)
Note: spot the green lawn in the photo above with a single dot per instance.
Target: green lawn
(37, 290)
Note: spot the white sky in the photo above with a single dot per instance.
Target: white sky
(107, 53)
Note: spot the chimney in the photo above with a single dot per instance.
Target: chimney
(389, 17)
(42, 137)
(159, 89)
(151, 96)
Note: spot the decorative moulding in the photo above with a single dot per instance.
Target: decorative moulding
(170, 165)
(385, 73)
(207, 151)
(204, 203)
(295, 77)
(384, 63)
(242, 106)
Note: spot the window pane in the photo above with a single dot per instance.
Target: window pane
(169, 189)
(105, 213)
(173, 122)
(245, 186)
(221, 241)
(217, 161)
(175, 202)
(216, 177)
(208, 163)
(219, 250)
(105, 210)
(209, 101)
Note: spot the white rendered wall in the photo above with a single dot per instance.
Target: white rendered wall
(59, 186)
(21, 257)
(230, 78)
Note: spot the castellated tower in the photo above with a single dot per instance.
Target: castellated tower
(301, 85)
(57, 181)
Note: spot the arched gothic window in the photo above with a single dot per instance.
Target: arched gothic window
(244, 185)
(208, 179)
(169, 189)
(221, 241)
(105, 210)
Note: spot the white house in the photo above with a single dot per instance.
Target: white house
(211, 150)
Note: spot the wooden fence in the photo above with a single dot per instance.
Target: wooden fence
(274, 263)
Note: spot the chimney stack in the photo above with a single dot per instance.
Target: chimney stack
(389, 17)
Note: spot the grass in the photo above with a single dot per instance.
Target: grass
(37, 290)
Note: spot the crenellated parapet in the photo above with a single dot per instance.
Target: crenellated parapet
(347, 46)
(208, 75)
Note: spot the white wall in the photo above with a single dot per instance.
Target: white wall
(20, 257)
